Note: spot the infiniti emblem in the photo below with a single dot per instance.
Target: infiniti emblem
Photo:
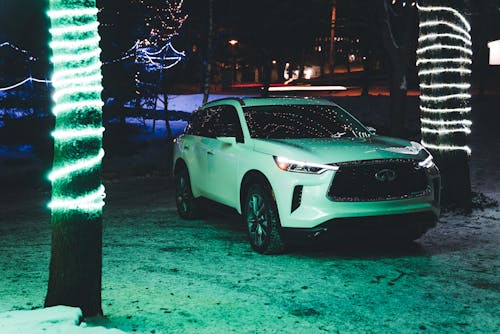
(385, 175)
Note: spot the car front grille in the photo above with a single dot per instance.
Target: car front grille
(377, 180)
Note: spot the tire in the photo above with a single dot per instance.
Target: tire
(261, 217)
(187, 205)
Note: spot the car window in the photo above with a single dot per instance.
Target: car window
(195, 123)
(229, 123)
(217, 121)
(302, 121)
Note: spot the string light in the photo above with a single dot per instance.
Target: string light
(61, 108)
(445, 110)
(444, 60)
(455, 12)
(88, 202)
(446, 85)
(77, 93)
(23, 82)
(75, 166)
(442, 101)
(435, 24)
(447, 147)
(444, 46)
(443, 123)
(445, 97)
(435, 36)
(157, 58)
(15, 47)
(444, 70)
(78, 133)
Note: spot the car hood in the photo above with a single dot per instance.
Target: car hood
(331, 150)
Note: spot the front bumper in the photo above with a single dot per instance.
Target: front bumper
(367, 228)
(316, 208)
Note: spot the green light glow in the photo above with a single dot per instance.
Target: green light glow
(77, 86)
(77, 133)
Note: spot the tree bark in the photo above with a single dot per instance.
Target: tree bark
(397, 50)
(75, 264)
(208, 62)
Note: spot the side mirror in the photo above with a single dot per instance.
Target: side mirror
(227, 140)
(372, 130)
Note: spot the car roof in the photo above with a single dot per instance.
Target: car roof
(264, 101)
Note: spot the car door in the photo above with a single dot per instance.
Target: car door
(194, 152)
(223, 156)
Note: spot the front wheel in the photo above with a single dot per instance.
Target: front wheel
(187, 205)
(261, 216)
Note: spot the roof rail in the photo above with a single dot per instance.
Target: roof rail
(239, 99)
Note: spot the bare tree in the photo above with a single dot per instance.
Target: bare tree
(398, 35)
(208, 59)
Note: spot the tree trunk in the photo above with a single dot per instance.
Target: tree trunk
(208, 63)
(444, 58)
(331, 49)
(77, 192)
(166, 117)
(397, 49)
(75, 263)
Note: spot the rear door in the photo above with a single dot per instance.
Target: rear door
(224, 150)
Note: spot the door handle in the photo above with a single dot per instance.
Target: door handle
(186, 147)
(210, 153)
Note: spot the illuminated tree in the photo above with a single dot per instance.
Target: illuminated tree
(444, 59)
(154, 52)
(163, 20)
(77, 192)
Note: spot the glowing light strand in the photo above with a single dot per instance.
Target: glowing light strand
(78, 133)
(443, 60)
(23, 82)
(88, 202)
(447, 35)
(447, 147)
(445, 110)
(77, 166)
(18, 49)
(445, 97)
(444, 46)
(445, 70)
(61, 108)
(446, 85)
(446, 9)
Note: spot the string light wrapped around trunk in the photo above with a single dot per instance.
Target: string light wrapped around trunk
(76, 182)
(444, 57)
(77, 190)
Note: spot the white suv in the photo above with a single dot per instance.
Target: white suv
(302, 165)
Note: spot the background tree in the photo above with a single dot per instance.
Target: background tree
(77, 191)
(444, 59)
(397, 21)
(209, 53)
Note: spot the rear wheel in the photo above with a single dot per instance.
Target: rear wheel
(261, 216)
(187, 205)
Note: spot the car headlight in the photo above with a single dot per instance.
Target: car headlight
(427, 163)
(290, 165)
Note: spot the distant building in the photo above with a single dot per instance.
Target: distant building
(494, 52)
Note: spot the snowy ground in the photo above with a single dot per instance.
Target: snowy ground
(164, 275)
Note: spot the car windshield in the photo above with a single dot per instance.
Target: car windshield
(302, 121)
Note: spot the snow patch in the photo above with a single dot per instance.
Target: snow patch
(54, 320)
